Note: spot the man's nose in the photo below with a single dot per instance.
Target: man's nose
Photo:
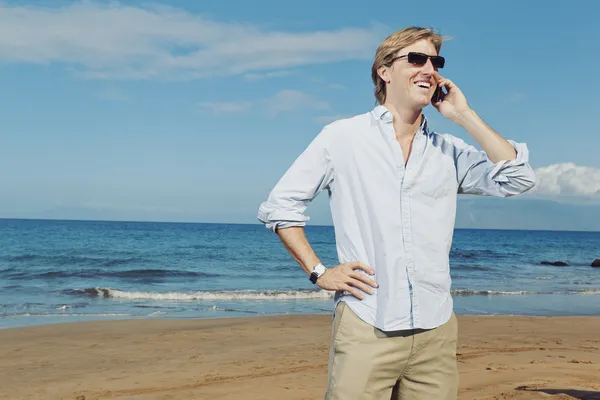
(428, 67)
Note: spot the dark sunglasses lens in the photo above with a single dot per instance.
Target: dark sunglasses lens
(438, 62)
(417, 58)
(420, 59)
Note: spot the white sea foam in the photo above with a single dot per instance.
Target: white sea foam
(216, 295)
(463, 292)
(66, 315)
(588, 291)
(271, 295)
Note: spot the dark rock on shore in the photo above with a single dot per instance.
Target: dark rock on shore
(596, 262)
(555, 263)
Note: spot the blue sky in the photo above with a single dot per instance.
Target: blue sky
(191, 111)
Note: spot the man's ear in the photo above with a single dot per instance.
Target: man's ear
(384, 73)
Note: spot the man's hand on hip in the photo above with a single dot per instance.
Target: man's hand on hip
(345, 277)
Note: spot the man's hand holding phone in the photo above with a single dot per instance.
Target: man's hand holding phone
(452, 104)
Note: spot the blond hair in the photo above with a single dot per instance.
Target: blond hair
(391, 45)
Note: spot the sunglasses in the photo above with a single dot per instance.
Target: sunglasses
(421, 59)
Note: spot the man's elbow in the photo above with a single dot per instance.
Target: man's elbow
(275, 218)
(523, 182)
(529, 178)
(265, 216)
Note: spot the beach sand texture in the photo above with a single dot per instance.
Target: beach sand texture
(500, 357)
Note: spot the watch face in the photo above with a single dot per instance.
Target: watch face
(319, 269)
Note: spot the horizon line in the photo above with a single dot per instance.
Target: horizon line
(258, 224)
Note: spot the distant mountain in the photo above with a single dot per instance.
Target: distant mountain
(524, 213)
(480, 212)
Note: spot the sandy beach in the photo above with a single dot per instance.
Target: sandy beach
(500, 357)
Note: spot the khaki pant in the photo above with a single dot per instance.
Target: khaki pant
(366, 363)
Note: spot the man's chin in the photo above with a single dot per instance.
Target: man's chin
(420, 102)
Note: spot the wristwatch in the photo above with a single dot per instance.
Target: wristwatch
(317, 271)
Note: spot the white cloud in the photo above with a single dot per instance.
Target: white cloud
(114, 41)
(567, 181)
(280, 102)
(292, 100)
(225, 107)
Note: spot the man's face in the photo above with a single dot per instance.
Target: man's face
(411, 84)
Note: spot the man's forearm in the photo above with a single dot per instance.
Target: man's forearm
(496, 147)
(294, 240)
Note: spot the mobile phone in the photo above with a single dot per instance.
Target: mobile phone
(438, 95)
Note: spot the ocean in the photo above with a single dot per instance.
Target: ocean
(65, 271)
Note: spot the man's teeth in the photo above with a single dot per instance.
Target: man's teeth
(426, 85)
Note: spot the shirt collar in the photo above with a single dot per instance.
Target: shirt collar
(381, 113)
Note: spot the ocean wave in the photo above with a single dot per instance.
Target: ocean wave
(23, 257)
(464, 292)
(126, 274)
(587, 291)
(205, 295)
(299, 294)
(216, 308)
(69, 260)
(323, 242)
(481, 253)
(66, 315)
(469, 268)
(213, 307)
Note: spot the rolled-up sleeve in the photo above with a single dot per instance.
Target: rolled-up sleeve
(308, 175)
(478, 175)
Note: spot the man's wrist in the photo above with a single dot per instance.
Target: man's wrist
(466, 118)
(317, 271)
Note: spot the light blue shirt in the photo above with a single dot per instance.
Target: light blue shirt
(397, 219)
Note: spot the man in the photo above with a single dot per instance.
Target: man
(392, 184)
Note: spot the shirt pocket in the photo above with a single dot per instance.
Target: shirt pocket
(439, 181)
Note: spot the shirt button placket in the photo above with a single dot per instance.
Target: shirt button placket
(408, 246)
